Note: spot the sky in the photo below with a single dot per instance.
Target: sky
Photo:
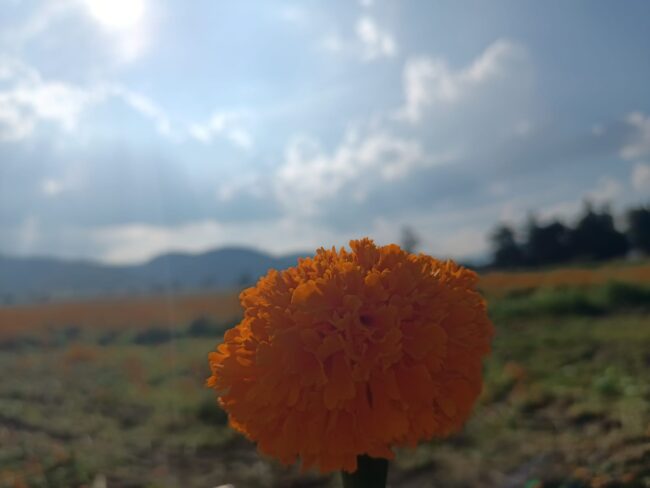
(129, 128)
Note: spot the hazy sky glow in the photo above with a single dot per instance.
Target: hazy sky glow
(134, 127)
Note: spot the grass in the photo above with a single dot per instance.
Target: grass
(501, 283)
(566, 403)
(558, 301)
(117, 314)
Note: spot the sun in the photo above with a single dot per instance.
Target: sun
(116, 14)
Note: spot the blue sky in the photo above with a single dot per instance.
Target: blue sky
(131, 127)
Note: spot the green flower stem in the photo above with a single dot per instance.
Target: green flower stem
(370, 473)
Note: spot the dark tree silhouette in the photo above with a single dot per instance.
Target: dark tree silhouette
(638, 231)
(507, 252)
(409, 240)
(547, 244)
(595, 237)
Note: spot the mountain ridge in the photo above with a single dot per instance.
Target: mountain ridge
(40, 278)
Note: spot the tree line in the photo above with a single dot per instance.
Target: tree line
(594, 236)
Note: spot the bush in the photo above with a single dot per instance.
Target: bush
(563, 301)
(18, 344)
(66, 473)
(108, 338)
(204, 327)
(154, 336)
(209, 412)
(567, 301)
(617, 294)
(201, 327)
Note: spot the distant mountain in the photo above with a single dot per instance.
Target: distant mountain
(37, 279)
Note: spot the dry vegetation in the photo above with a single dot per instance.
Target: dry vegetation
(498, 284)
(170, 310)
(112, 390)
(120, 313)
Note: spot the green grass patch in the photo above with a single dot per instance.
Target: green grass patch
(568, 370)
(613, 297)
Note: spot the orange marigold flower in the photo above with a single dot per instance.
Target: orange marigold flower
(353, 352)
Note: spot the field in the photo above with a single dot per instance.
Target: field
(110, 393)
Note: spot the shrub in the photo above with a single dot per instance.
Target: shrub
(563, 301)
(204, 327)
(617, 294)
(153, 336)
(210, 413)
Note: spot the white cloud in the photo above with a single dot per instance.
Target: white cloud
(565, 211)
(240, 137)
(639, 146)
(116, 14)
(310, 174)
(29, 100)
(137, 242)
(641, 178)
(133, 243)
(443, 236)
(145, 107)
(223, 124)
(464, 242)
(370, 42)
(125, 26)
(607, 191)
(13, 125)
(429, 82)
(55, 101)
(376, 43)
(384, 152)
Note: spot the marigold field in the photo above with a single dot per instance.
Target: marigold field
(111, 393)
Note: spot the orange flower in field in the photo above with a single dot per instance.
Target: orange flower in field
(351, 353)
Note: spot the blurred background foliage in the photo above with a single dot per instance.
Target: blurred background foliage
(566, 400)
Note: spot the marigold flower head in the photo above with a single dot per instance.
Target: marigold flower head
(353, 352)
